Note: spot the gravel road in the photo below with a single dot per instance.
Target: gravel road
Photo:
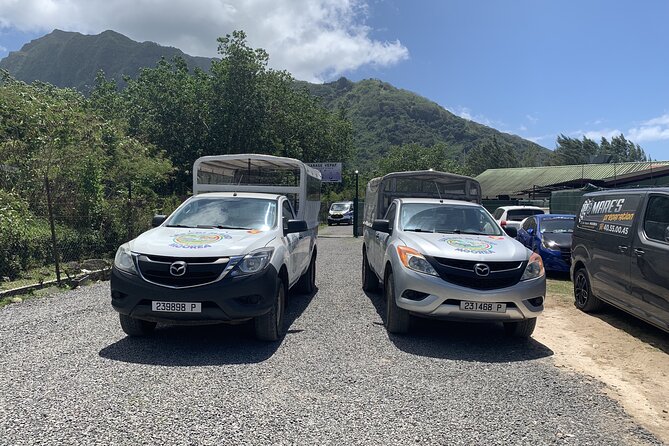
(70, 376)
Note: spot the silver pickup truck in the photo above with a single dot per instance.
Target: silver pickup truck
(445, 256)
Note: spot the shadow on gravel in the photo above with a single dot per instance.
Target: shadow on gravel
(220, 344)
(634, 326)
(475, 342)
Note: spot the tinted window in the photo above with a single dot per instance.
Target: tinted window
(390, 215)
(287, 211)
(527, 224)
(498, 213)
(557, 225)
(656, 219)
(521, 214)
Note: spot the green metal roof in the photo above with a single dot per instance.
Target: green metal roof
(515, 181)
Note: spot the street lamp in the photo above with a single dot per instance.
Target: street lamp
(355, 208)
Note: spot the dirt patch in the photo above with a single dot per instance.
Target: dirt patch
(628, 355)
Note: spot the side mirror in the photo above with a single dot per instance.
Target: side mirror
(510, 231)
(381, 226)
(158, 220)
(293, 226)
(666, 234)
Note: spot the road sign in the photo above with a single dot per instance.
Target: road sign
(330, 172)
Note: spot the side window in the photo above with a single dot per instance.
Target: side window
(390, 214)
(498, 213)
(287, 211)
(656, 220)
(527, 224)
(533, 224)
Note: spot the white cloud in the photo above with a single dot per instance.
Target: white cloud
(532, 119)
(3, 49)
(312, 39)
(522, 128)
(655, 129)
(466, 113)
(596, 135)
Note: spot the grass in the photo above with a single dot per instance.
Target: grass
(32, 277)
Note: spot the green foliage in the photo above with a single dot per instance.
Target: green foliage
(490, 153)
(575, 151)
(51, 136)
(384, 117)
(241, 106)
(415, 157)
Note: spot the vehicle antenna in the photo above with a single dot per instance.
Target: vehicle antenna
(441, 200)
(234, 194)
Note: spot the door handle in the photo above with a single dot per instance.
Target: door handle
(622, 248)
(639, 252)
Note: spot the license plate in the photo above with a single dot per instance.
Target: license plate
(488, 307)
(177, 307)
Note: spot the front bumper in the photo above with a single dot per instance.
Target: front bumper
(553, 261)
(443, 298)
(231, 299)
(342, 219)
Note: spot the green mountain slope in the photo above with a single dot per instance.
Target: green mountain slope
(384, 116)
(70, 59)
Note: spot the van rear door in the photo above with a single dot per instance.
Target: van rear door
(650, 252)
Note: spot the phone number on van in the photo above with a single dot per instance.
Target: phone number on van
(614, 229)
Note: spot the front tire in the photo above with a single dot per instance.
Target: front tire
(520, 329)
(270, 326)
(397, 319)
(136, 327)
(584, 300)
(369, 280)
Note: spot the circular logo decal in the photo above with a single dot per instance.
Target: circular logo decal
(197, 240)
(469, 244)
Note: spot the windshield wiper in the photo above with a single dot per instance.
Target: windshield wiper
(178, 226)
(473, 233)
(221, 227)
(416, 230)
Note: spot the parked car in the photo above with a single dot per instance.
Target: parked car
(341, 212)
(230, 253)
(512, 216)
(620, 251)
(549, 235)
(446, 258)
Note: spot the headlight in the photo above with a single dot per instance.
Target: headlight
(534, 268)
(253, 262)
(414, 260)
(124, 261)
(550, 244)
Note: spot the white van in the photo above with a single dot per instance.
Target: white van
(230, 253)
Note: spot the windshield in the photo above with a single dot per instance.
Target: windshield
(226, 213)
(340, 207)
(447, 218)
(522, 214)
(557, 225)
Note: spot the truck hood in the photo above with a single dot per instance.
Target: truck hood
(194, 242)
(466, 247)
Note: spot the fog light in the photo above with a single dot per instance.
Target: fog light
(536, 302)
(414, 295)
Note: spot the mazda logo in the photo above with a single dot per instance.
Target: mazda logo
(481, 269)
(178, 269)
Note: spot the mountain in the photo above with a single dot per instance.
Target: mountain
(381, 114)
(70, 59)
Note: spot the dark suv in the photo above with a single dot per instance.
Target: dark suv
(620, 250)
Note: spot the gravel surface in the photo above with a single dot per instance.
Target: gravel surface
(70, 376)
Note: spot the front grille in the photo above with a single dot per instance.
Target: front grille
(461, 273)
(199, 270)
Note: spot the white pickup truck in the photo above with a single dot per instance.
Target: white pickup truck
(230, 253)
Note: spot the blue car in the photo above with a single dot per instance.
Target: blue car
(549, 235)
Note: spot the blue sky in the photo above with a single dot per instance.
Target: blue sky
(535, 68)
